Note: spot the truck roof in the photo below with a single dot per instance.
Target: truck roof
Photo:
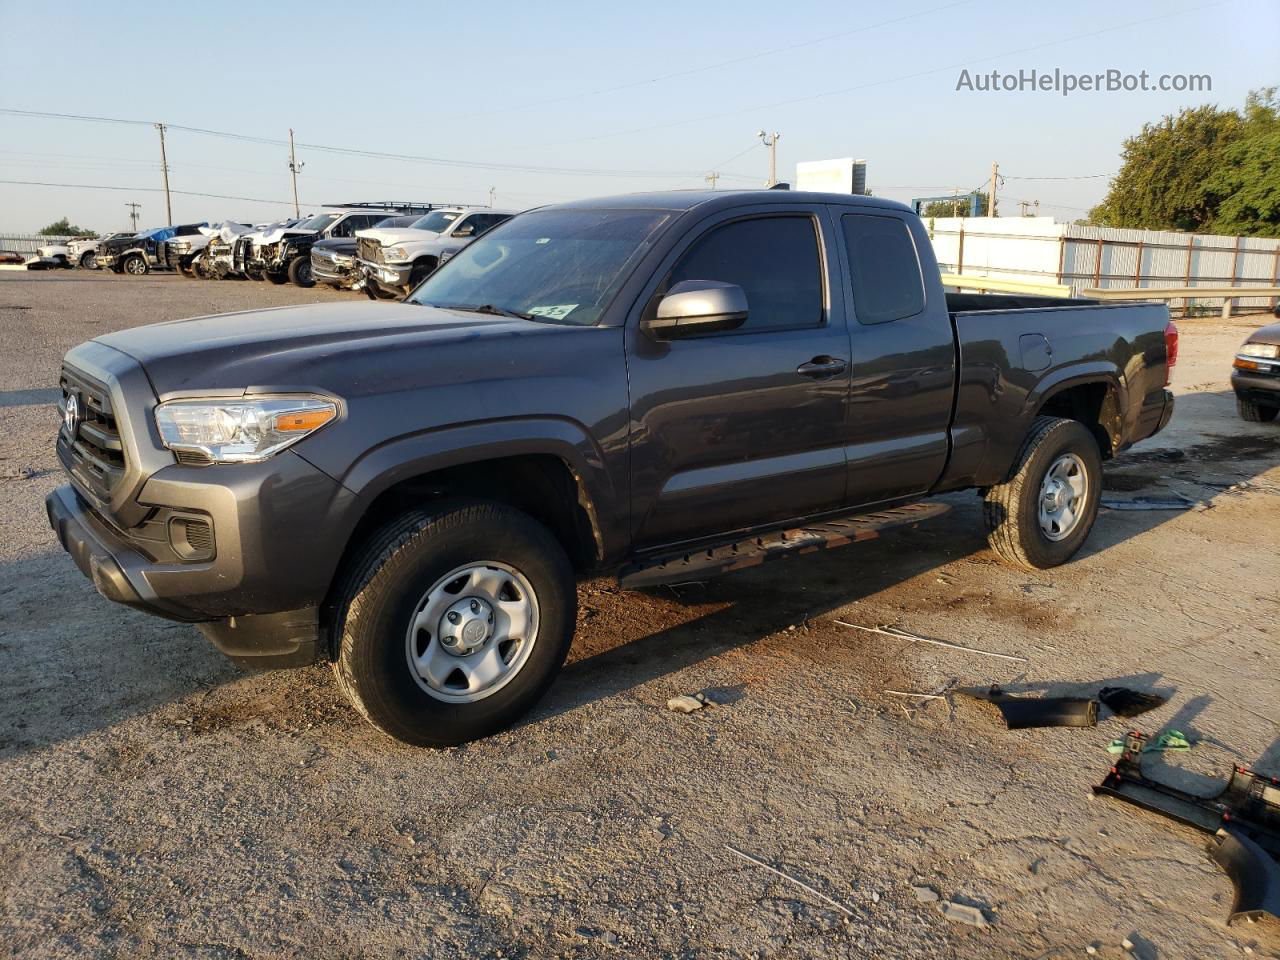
(715, 199)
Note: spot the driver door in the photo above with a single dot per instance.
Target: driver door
(743, 428)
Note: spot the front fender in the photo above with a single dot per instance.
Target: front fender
(415, 455)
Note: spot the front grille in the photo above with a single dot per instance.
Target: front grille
(370, 249)
(95, 453)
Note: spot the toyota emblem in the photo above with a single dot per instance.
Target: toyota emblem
(71, 414)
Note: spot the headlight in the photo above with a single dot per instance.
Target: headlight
(241, 431)
(395, 253)
(1268, 350)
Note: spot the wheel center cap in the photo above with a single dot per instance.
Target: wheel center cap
(466, 626)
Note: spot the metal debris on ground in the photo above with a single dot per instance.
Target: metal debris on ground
(1022, 713)
(963, 913)
(1154, 503)
(1171, 740)
(790, 879)
(1243, 817)
(1124, 702)
(897, 634)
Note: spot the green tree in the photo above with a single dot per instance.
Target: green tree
(1205, 170)
(956, 208)
(1247, 184)
(65, 228)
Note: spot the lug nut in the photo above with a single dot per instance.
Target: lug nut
(453, 616)
(475, 606)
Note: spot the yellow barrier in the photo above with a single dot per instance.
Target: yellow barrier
(1002, 285)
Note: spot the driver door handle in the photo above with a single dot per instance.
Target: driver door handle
(820, 368)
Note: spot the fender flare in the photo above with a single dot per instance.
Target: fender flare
(414, 455)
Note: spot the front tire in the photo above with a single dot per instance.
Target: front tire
(453, 622)
(300, 272)
(135, 265)
(276, 278)
(1042, 515)
(89, 260)
(1255, 412)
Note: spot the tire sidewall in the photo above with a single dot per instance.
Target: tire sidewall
(1067, 437)
(378, 619)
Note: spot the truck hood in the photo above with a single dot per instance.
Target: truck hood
(389, 238)
(1267, 334)
(276, 234)
(341, 348)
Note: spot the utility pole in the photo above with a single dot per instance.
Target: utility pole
(294, 169)
(493, 195)
(991, 193)
(133, 214)
(711, 178)
(772, 143)
(164, 166)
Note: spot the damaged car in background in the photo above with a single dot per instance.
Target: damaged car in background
(394, 261)
(143, 252)
(333, 259)
(283, 254)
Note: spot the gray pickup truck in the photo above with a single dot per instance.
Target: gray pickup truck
(658, 387)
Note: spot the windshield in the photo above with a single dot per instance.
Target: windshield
(437, 221)
(316, 223)
(554, 265)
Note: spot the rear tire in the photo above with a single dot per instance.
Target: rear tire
(1042, 515)
(392, 634)
(300, 271)
(1255, 412)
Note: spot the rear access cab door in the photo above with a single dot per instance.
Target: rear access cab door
(745, 427)
(903, 355)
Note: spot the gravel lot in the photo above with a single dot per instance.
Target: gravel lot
(156, 801)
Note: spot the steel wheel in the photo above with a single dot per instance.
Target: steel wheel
(472, 632)
(1062, 496)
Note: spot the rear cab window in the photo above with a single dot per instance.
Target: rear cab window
(884, 268)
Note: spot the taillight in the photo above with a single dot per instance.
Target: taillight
(1170, 350)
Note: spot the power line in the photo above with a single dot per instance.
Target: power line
(1088, 176)
(877, 83)
(372, 154)
(713, 66)
(103, 186)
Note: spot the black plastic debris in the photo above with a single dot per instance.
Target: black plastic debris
(1021, 713)
(1244, 817)
(1124, 702)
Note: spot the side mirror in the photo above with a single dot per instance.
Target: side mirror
(698, 306)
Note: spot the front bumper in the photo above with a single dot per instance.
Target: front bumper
(1258, 386)
(276, 541)
(389, 276)
(330, 271)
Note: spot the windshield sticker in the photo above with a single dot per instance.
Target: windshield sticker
(543, 240)
(557, 312)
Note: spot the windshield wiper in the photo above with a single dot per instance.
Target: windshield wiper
(487, 308)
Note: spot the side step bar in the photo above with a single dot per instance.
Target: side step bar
(713, 561)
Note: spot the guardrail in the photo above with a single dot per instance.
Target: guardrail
(1002, 285)
(1226, 294)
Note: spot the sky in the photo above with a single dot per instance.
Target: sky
(562, 100)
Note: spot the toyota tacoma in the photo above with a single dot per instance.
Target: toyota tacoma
(658, 387)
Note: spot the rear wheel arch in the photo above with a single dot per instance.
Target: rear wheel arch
(1097, 403)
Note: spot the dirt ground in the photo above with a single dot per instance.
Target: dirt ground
(156, 801)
